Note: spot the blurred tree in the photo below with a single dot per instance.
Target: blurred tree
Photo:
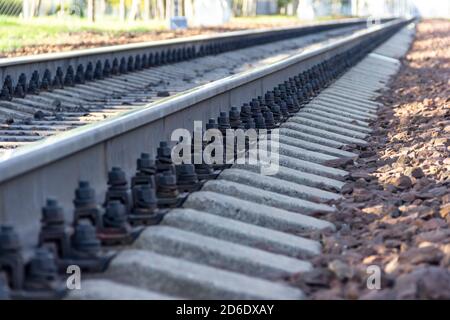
(134, 10)
(282, 5)
(189, 9)
(122, 10)
(249, 7)
(160, 6)
(146, 10)
(91, 10)
(236, 7)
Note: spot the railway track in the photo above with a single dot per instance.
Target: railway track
(31, 110)
(215, 231)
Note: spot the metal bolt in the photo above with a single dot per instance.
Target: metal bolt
(69, 78)
(123, 66)
(167, 190)
(224, 122)
(9, 240)
(164, 158)
(115, 70)
(145, 209)
(130, 64)
(46, 80)
(212, 124)
(107, 69)
(137, 62)
(54, 230)
(146, 170)
(42, 268)
(52, 214)
(84, 194)
(4, 288)
(85, 205)
(58, 80)
(19, 92)
(269, 120)
(115, 215)
(235, 118)
(85, 238)
(145, 61)
(98, 72)
(11, 260)
(250, 124)
(255, 108)
(246, 113)
(89, 73)
(145, 199)
(164, 152)
(118, 187)
(187, 179)
(260, 122)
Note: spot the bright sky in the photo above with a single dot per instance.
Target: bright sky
(433, 8)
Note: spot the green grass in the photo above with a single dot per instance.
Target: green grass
(15, 32)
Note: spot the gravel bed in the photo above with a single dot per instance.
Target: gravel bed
(396, 210)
